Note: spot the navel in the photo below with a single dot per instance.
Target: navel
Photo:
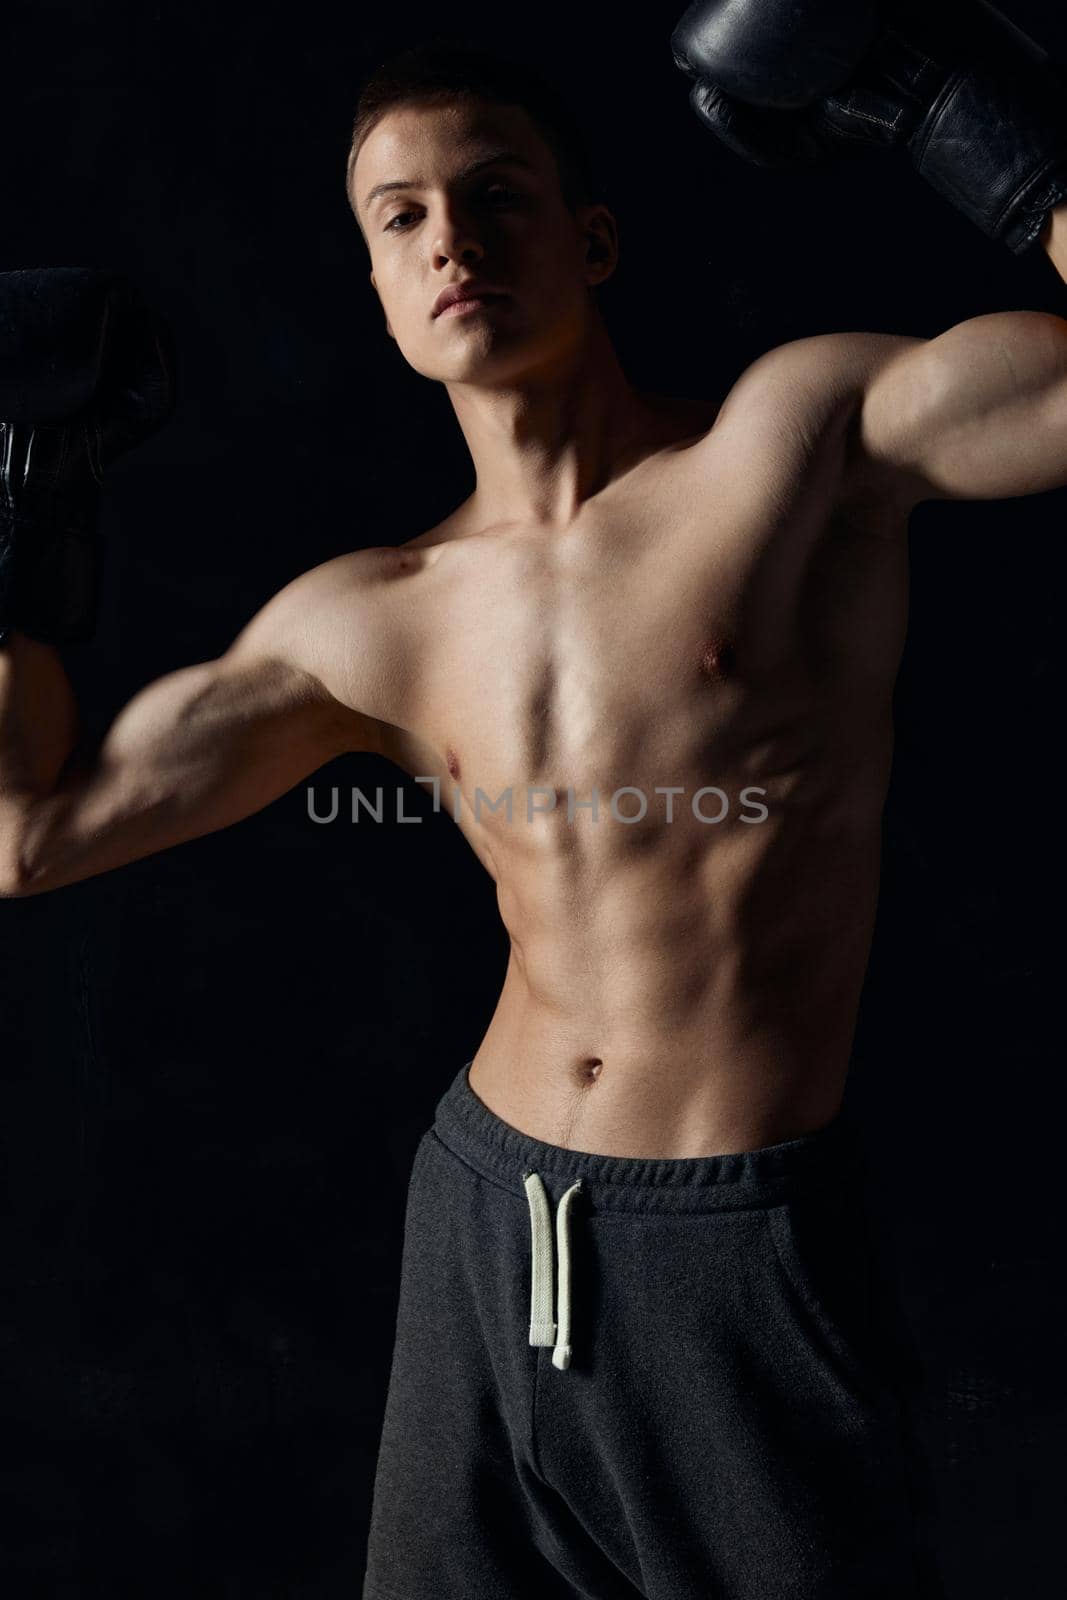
(589, 1070)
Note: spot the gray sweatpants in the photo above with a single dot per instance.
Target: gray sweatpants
(621, 1378)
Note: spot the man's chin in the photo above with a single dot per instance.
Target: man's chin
(489, 367)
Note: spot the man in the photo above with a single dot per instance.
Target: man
(660, 639)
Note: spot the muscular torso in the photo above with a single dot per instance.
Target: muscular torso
(726, 616)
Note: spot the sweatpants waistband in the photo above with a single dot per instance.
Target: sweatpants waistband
(768, 1176)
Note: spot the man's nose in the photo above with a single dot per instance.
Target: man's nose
(456, 238)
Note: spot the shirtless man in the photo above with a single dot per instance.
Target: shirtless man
(696, 608)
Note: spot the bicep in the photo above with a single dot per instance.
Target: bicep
(978, 413)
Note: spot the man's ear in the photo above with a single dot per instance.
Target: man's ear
(601, 244)
(388, 329)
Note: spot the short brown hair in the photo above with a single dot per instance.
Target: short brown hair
(442, 71)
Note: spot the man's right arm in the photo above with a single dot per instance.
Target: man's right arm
(193, 752)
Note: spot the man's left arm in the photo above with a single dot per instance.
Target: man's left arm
(979, 413)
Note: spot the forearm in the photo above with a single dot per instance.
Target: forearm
(38, 734)
(1054, 239)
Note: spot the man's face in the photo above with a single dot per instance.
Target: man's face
(477, 195)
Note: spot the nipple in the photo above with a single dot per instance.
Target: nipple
(453, 762)
(717, 660)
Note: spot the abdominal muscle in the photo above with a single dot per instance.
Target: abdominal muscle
(685, 990)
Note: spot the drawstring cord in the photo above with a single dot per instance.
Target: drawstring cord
(543, 1329)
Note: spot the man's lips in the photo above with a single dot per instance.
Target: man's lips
(459, 308)
(471, 294)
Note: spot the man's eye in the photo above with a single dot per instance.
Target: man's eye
(494, 191)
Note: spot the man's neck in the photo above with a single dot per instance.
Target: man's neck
(543, 448)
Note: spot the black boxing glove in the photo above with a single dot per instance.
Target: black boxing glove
(86, 371)
(970, 97)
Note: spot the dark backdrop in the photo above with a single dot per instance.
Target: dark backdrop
(216, 1063)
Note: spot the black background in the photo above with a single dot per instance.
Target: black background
(216, 1063)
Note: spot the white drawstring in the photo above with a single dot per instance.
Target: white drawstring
(542, 1325)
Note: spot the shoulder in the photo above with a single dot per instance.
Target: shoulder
(356, 572)
(342, 641)
(822, 393)
(331, 590)
(341, 608)
(827, 373)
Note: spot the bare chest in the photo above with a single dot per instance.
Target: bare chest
(692, 609)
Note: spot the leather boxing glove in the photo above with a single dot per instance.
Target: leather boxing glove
(778, 53)
(974, 102)
(86, 371)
